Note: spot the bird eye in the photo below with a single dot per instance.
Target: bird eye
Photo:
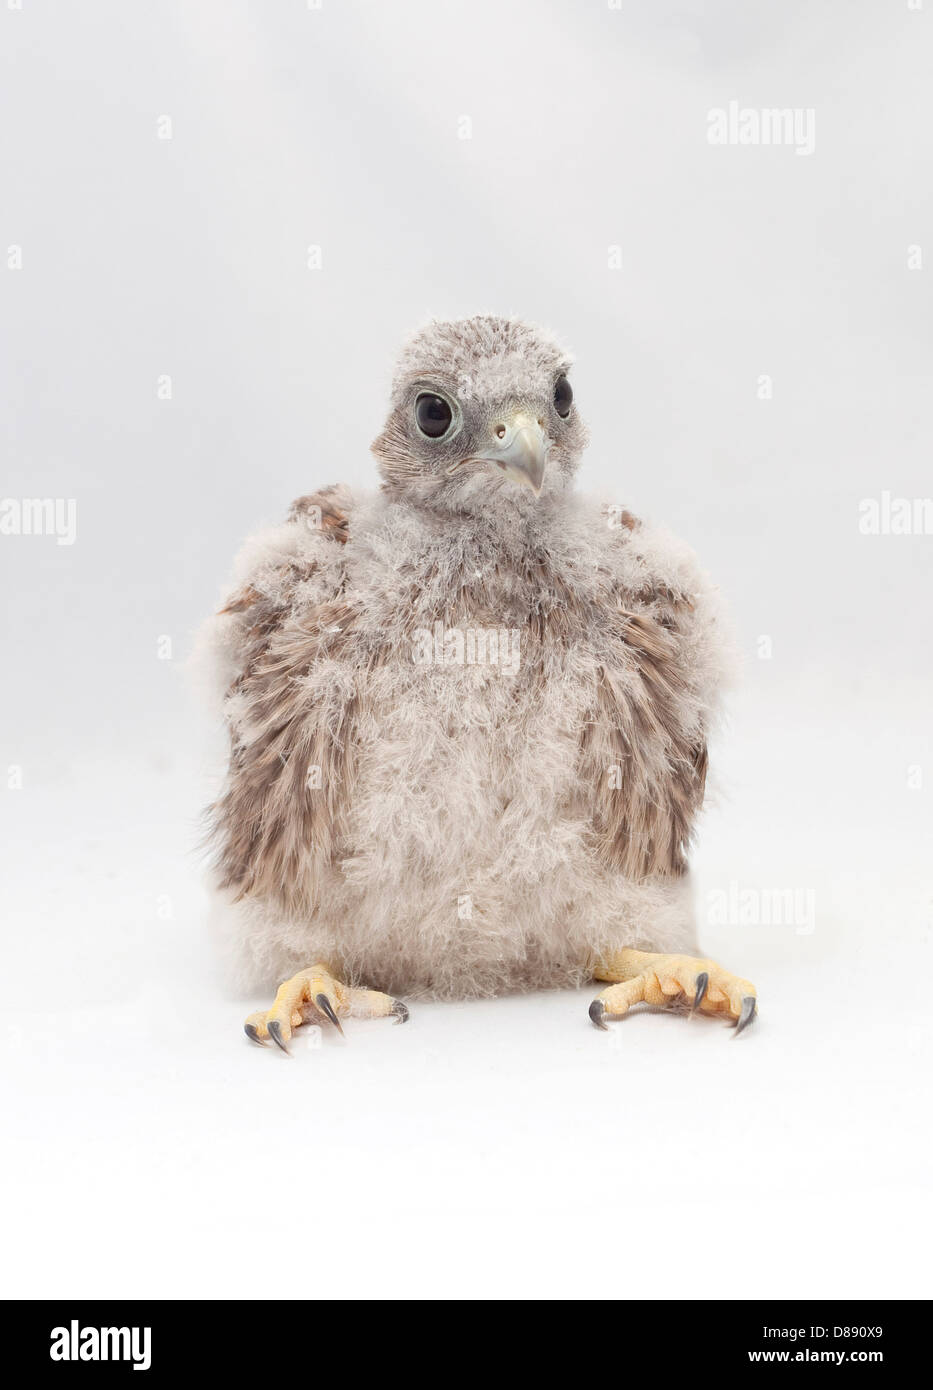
(433, 415)
(563, 397)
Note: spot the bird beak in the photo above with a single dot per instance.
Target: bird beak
(521, 451)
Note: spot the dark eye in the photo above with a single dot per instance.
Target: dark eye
(563, 397)
(433, 415)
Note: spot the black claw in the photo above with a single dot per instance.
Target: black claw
(275, 1033)
(253, 1034)
(748, 1012)
(597, 1012)
(702, 985)
(327, 1008)
(401, 1011)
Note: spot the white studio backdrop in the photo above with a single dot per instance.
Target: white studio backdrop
(217, 223)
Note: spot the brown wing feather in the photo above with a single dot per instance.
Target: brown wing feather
(649, 770)
(275, 824)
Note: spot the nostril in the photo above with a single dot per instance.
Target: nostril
(500, 431)
(540, 422)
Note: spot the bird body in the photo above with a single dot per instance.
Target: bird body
(468, 717)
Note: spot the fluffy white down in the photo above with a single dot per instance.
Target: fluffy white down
(468, 866)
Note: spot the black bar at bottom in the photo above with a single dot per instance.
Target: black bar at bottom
(285, 1342)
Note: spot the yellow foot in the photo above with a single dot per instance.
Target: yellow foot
(644, 977)
(314, 996)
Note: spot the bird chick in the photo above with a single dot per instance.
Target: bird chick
(468, 717)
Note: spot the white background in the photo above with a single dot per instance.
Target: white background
(502, 1148)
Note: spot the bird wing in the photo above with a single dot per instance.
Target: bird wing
(661, 660)
(288, 635)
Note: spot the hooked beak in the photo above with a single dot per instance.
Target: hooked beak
(520, 450)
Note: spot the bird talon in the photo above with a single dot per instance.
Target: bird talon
(748, 1011)
(275, 1033)
(327, 1008)
(597, 1013)
(702, 985)
(658, 979)
(314, 996)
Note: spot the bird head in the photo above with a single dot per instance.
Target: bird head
(482, 415)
